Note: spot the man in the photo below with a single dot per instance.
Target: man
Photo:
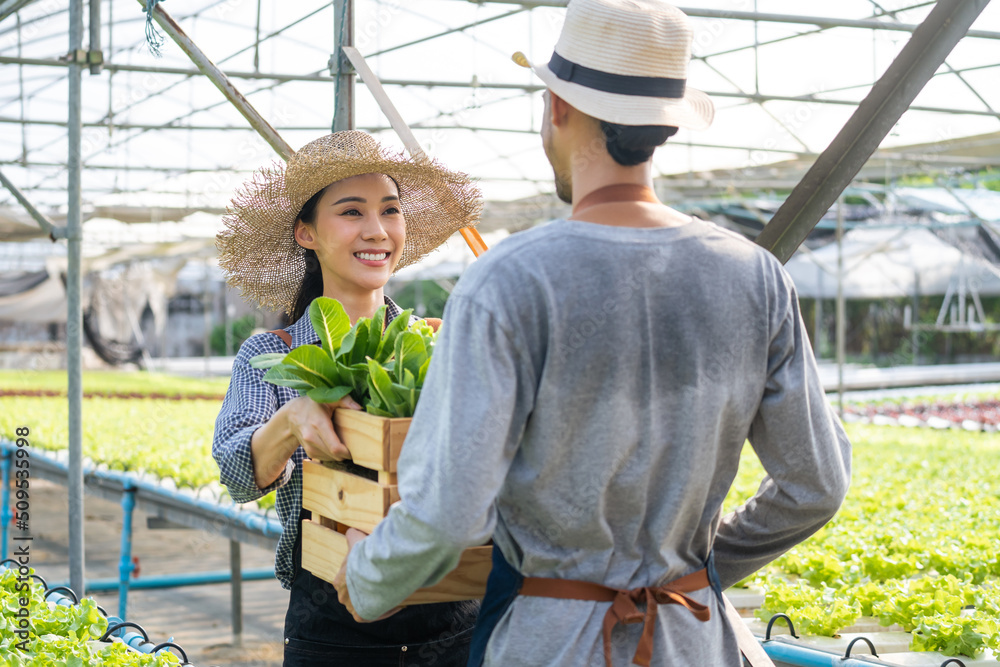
(592, 389)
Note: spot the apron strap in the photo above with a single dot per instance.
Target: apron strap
(624, 604)
(283, 335)
(619, 192)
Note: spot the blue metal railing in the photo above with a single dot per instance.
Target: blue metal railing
(131, 485)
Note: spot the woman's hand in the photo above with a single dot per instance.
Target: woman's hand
(300, 421)
(340, 581)
(311, 424)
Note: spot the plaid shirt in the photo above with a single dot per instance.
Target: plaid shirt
(249, 404)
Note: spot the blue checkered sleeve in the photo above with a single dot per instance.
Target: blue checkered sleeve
(249, 404)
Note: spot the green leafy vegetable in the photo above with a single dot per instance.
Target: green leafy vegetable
(914, 545)
(950, 634)
(382, 370)
(330, 321)
(60, 634)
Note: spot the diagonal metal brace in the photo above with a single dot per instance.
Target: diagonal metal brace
(889, 98)
(221, 81)
(55, 231)
(470, 234)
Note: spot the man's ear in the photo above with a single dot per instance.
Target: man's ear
(559, 110)
(304, 235)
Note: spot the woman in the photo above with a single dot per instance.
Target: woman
(336, 222)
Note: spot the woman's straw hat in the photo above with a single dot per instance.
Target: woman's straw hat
(626, 62)
(257, 247)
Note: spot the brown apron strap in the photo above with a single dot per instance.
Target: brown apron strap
(283, 335)
(624, 603)
(615, 193)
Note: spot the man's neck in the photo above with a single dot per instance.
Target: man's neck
(591, 173)
(588, 177)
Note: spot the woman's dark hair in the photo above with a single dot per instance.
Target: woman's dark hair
(630, 145)
(312, 282)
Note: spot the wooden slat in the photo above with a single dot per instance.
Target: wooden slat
(323, 551)
(397, 430)
(344, 497)
(465, 582)
(374, 442)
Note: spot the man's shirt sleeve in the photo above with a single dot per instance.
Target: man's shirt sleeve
(463, 437)
(801, 445)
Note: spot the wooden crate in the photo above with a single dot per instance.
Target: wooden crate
(339, 499)
(324, 550)
(374, 442)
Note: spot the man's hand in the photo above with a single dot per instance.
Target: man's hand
(311, 424)
(340, 581)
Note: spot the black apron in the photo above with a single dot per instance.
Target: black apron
(320, 632)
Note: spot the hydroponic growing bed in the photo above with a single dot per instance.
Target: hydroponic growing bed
(977, 414)
(46, 627)
(124, 428)
(911, 560)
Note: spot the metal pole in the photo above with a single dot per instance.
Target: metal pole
(8, 7)
(526, 87)
(340, 66)
(821, 21)
(215, 75)
(178, 580)
(74, 317)
(125, 566)
(5, 513)
(236, 591)
(43, 222)
(914, 330)
(21, 95)
(841, 306)
(206, 301)
(889, 98)
(94, 56)
(256, 42)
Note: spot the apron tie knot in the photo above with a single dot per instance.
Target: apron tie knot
(624, 609)
(625, 604)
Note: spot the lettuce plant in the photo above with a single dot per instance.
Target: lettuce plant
(381, 367)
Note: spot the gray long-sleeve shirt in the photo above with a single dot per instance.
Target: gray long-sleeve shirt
(589, 396)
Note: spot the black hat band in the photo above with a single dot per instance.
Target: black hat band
(620, 84)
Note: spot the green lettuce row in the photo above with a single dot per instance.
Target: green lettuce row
(165, 438)
(913, 546)
(60, 635)
(115, 382)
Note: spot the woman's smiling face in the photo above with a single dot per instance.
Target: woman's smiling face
(357, 233)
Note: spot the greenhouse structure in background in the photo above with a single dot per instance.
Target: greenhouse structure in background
(127, 126)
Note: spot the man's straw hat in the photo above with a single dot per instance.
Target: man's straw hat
(626, 62)
(257, 247)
